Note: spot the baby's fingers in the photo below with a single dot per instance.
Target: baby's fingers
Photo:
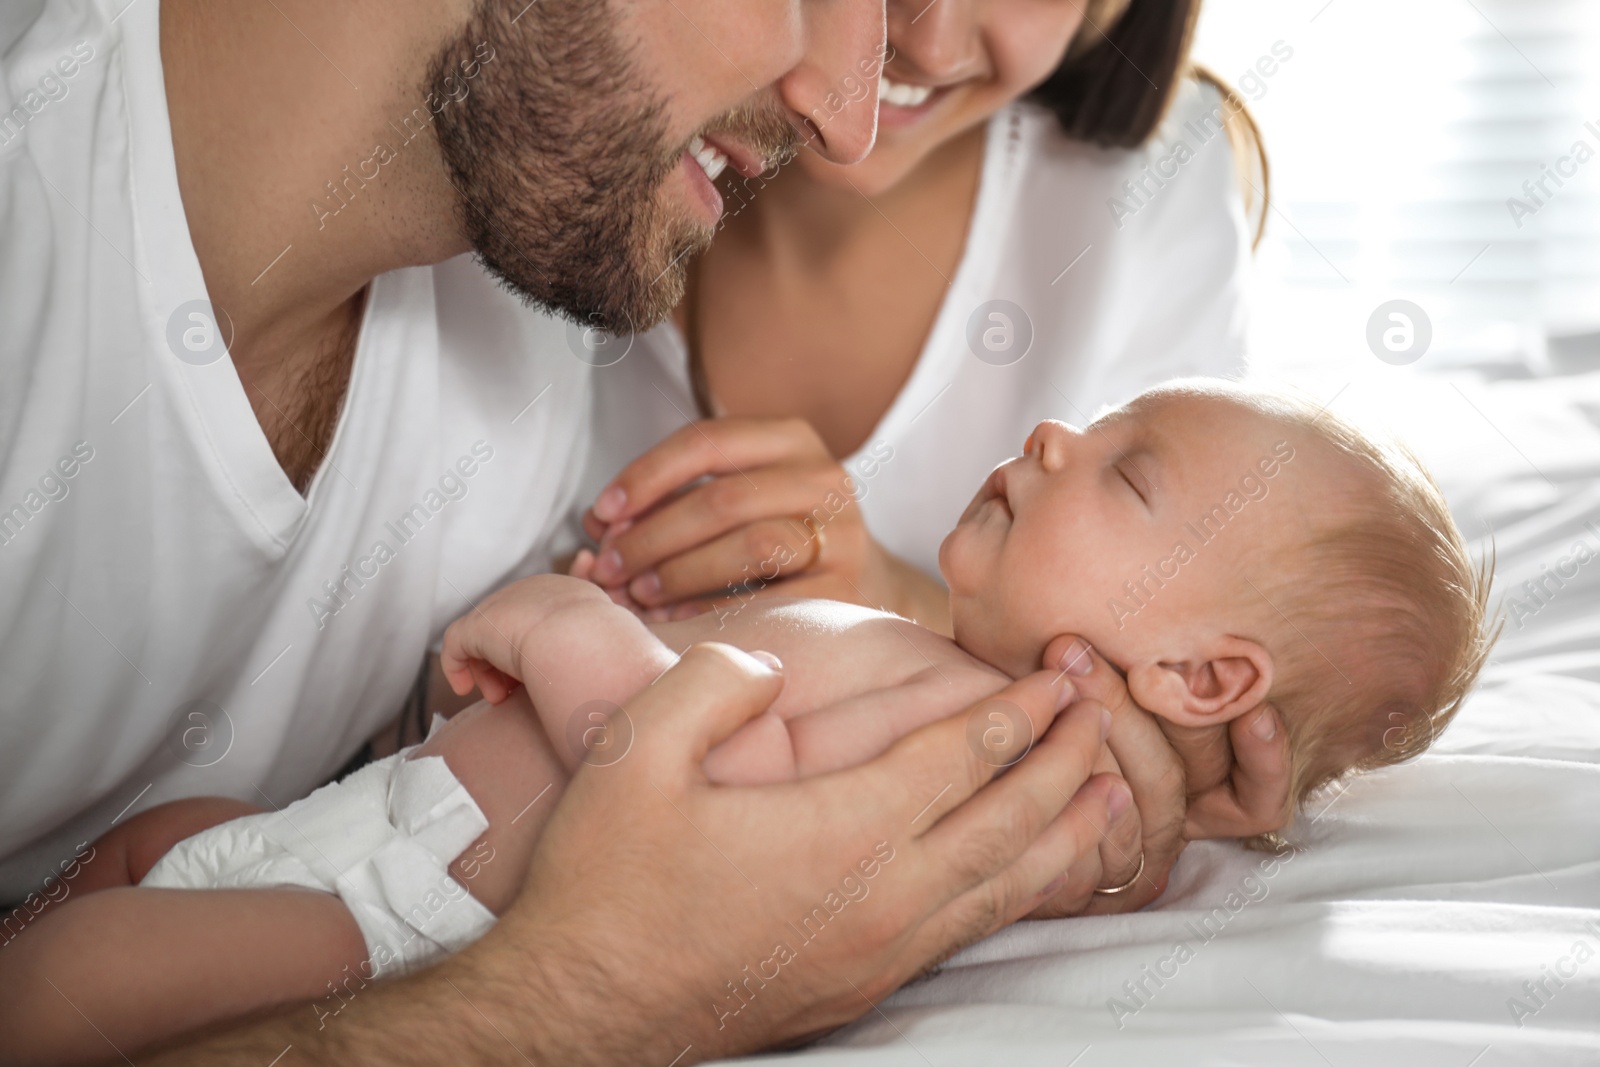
(455, 663)
(495, 684)
(476, 656)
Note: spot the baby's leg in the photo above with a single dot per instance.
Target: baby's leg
(138, 844)
(119, 970)
(123, 855)
(146, 964)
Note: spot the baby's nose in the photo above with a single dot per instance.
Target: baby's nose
(1052, 440)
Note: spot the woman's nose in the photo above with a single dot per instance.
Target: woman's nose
(938, 41)
(1053, 441)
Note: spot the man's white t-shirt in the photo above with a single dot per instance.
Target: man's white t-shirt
(1088, 275)
(175, 618)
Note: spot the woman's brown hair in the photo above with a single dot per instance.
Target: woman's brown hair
(1119, 77)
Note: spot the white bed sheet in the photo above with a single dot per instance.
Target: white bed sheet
(1424, 896)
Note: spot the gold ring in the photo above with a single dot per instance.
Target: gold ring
(818, 536)
(1125, 886)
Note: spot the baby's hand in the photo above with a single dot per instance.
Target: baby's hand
(477, 655)
(493, 646)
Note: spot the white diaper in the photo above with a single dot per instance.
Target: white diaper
(382, 839)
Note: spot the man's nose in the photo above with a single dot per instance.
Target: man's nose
(936, 41)
(832, 93)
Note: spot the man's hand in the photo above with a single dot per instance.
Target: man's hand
(664, 916)
(1238, 775)
(674, 915)
(1188, 784)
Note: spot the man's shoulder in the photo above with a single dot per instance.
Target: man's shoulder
(66, 203)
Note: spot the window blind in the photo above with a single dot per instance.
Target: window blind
(1443, 151)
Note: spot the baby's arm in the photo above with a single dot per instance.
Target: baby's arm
(565, 641)
(581, 657)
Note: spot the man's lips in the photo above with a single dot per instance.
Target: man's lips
(749, 162)
(702, 188)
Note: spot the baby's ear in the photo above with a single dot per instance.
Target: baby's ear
(1226, 678)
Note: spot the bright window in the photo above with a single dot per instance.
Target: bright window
(1445, 152)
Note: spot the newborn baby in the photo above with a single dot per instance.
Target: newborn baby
(1220, 547)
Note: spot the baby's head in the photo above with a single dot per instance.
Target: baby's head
(1224, 546)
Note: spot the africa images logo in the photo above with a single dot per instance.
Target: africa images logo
(402, 530)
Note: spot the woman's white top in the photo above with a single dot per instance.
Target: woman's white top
(1088, 276)
(175, 618)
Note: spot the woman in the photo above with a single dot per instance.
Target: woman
(901, 323)
(868, 342)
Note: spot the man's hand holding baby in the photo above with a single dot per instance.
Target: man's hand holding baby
(969, 851)
(1140, 844)
(1188, 783)
(591, 648)
(1213, 711)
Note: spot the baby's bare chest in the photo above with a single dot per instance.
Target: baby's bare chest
(832, 652)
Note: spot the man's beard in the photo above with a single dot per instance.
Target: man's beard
(559, 154)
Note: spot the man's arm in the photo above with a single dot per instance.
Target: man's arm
(665, 918)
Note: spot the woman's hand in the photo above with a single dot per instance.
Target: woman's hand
(756, 502)
(1189, 784)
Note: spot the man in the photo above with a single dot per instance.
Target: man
(206, 278)
(266, 431)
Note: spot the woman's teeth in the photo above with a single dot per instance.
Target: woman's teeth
(903, 95)
(711, 161)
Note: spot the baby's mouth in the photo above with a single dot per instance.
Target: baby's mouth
(998, 482)
(992, 492)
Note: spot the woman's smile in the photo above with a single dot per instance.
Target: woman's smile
(906, 103)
